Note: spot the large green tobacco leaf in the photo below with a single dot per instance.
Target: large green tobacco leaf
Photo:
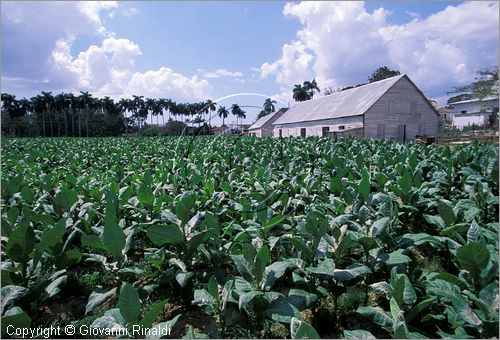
(326, 268)
(405, 182)
(274, 272)
(163, 329)
(300, 329)
(377, 315)
(262, 258)
(473, 257)
(145, 195)
(301, 299)
(358, 334)
(52, 238)
(165, 234)
(54, 287)
(465, 311)
(113, 238)
(64, 200)
(243, 266)
(97, 298)
(351, 272)
(403, 291)
(152, 314)
(364, 185)
(10, 294)
(129, 303)
(184, 206)
(445, 210)
(379, 226)
(282, 311)
(21, 242)
(111, 320)
(247, 297)
(16, 318)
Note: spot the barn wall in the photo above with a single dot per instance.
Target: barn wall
(315, 128)
(401, 105)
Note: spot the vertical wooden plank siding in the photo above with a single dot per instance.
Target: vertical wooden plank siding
(401, 105)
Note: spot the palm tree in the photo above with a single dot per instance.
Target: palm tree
(223, 113)
(39, 109)
(238, 112)
(311, 86)
(242, 116)
(138, 109)
(84, 103)
(73, 107)
(300, 93)
(10, 105)
(210, 107)
(61, 106)
(150, 106)
(235, 110)
(269, 105)
(48, 103)
(25, 108)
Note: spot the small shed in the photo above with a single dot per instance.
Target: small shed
(476, 111)
(391, 108)
(263, 127)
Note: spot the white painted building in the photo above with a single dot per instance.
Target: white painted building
(391, 108)
(263, 127)
(474, 111)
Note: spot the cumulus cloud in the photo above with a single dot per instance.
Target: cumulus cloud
(39, 55)
(166, 82)
(219, 73)
(108, 69)
(341, 43)
(31, 31)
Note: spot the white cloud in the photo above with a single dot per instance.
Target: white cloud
(341, 43)
(219, 73)
(104, 68)
(294, 65)
(92, 10)
(164, 82)
(108, 69)
(129, 12)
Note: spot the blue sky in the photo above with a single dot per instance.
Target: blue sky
(190, 51)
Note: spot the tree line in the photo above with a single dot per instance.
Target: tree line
(69, 115)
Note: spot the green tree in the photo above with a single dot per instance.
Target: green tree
(311, 86)
(486, 84)
(268, 107)
(223, 113)
(210, 107)
(300, 93)
(381, 73)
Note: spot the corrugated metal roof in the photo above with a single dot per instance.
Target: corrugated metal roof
(475, 100)
(263, 120)
(352, 102)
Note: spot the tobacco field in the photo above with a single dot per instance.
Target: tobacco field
(239, 237)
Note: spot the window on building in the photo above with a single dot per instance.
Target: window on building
(380, 130)
(341, 127)
(324, 130)
(464, 111)
(302, 132)
(280, 133)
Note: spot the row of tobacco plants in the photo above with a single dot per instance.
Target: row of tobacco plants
(252, 238)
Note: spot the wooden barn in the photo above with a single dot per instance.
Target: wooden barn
(391, 108)
(263, 127)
